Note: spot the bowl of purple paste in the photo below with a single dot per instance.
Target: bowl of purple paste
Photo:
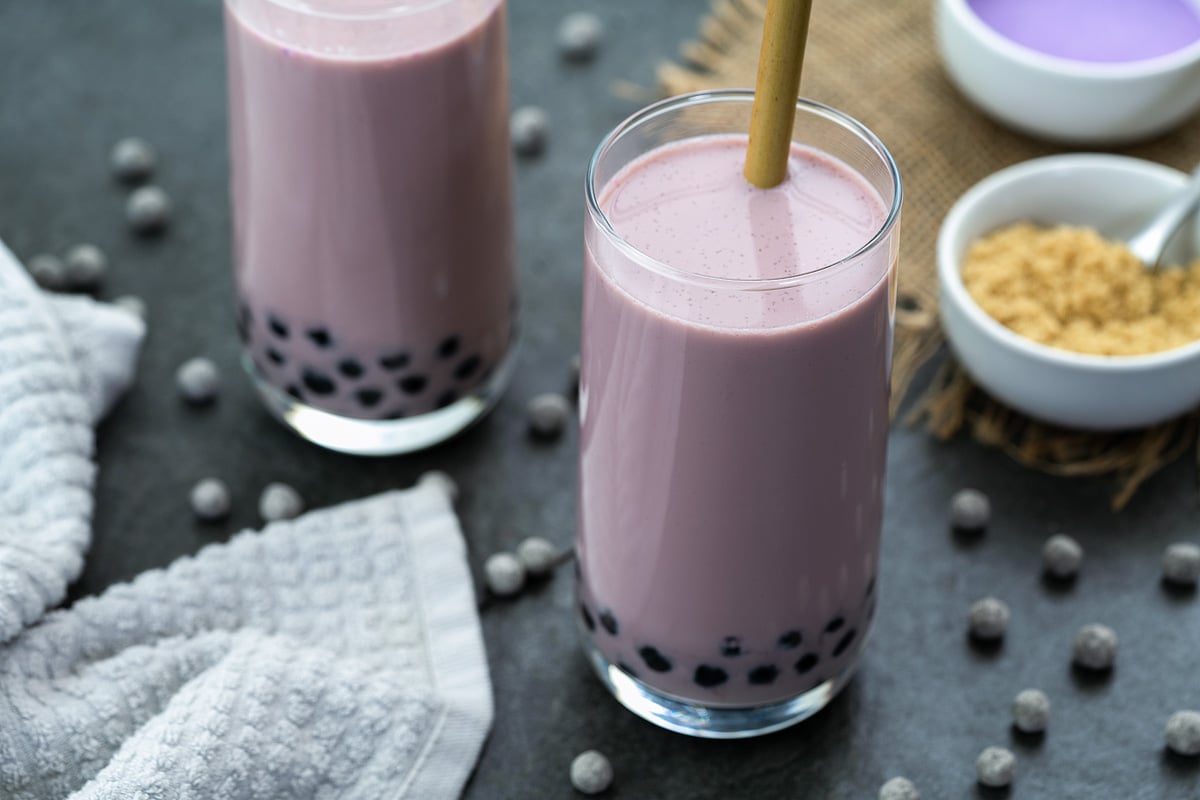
(1084, 72)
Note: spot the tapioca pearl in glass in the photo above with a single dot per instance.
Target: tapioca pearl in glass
(844, 643)
(609, 622)
(449, 347)
(654, 660)
(275, 357)
(763, 675)
(467, 367)
(413, 384)
(395, 361)
(731, 647)
(350, 368)
(278, 327)
(368, 397)
(807, 663)
(318, 382)
(707, 676)
(586, 615)
(790, 640)
(319, 337)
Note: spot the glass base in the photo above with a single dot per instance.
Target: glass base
(709, 722)
(369, 437)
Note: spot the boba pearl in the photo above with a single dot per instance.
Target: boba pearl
(132, 160)
(995, 767)
(655, 660)
(210, 500)
(1183, 733)
(1031, 711)
(970, 510)
(988, 619)
(1095, 647)
(198, 380)
(591, 772)
(1181, 564)
(504, 573)
(763, 675)
(708, 676)
(1062, 556)
(435, 477)
(85, 265)
(579, 36)
(548, 415)
(48, 271)
(279, 501)
(899, 789)
(133, 305)
(537, 555)
(528, 127)
(148, 209)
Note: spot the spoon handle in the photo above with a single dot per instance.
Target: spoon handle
(1148, 245)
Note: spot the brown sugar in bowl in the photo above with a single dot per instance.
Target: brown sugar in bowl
(1078, 390)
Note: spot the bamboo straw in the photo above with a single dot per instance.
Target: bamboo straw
(784, 34)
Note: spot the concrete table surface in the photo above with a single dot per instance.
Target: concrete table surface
(76, 75)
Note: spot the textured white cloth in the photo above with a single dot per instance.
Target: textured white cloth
(333, 656)
(63, 361)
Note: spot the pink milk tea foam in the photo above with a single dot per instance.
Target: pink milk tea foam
(733, 443)
(373, 230)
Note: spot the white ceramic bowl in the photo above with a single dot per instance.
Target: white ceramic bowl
(1064, 100)
(1113, 194)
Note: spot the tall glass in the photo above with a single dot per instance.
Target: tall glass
(372, 214)
(734, 404)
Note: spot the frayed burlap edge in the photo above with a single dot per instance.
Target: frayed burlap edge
(879, 63)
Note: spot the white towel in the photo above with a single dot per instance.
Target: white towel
(334, 656)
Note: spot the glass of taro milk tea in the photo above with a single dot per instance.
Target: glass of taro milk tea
(736, 358)
(372, 214)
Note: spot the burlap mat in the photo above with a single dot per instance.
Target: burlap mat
(878, 62)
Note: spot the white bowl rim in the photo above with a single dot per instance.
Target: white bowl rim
(951, 278)
(1076, 68)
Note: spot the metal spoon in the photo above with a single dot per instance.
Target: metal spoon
(1149, 243)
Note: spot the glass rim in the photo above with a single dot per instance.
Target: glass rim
(670, 104)
(396, 9)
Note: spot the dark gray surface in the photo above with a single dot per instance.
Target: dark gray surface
(76, 75)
